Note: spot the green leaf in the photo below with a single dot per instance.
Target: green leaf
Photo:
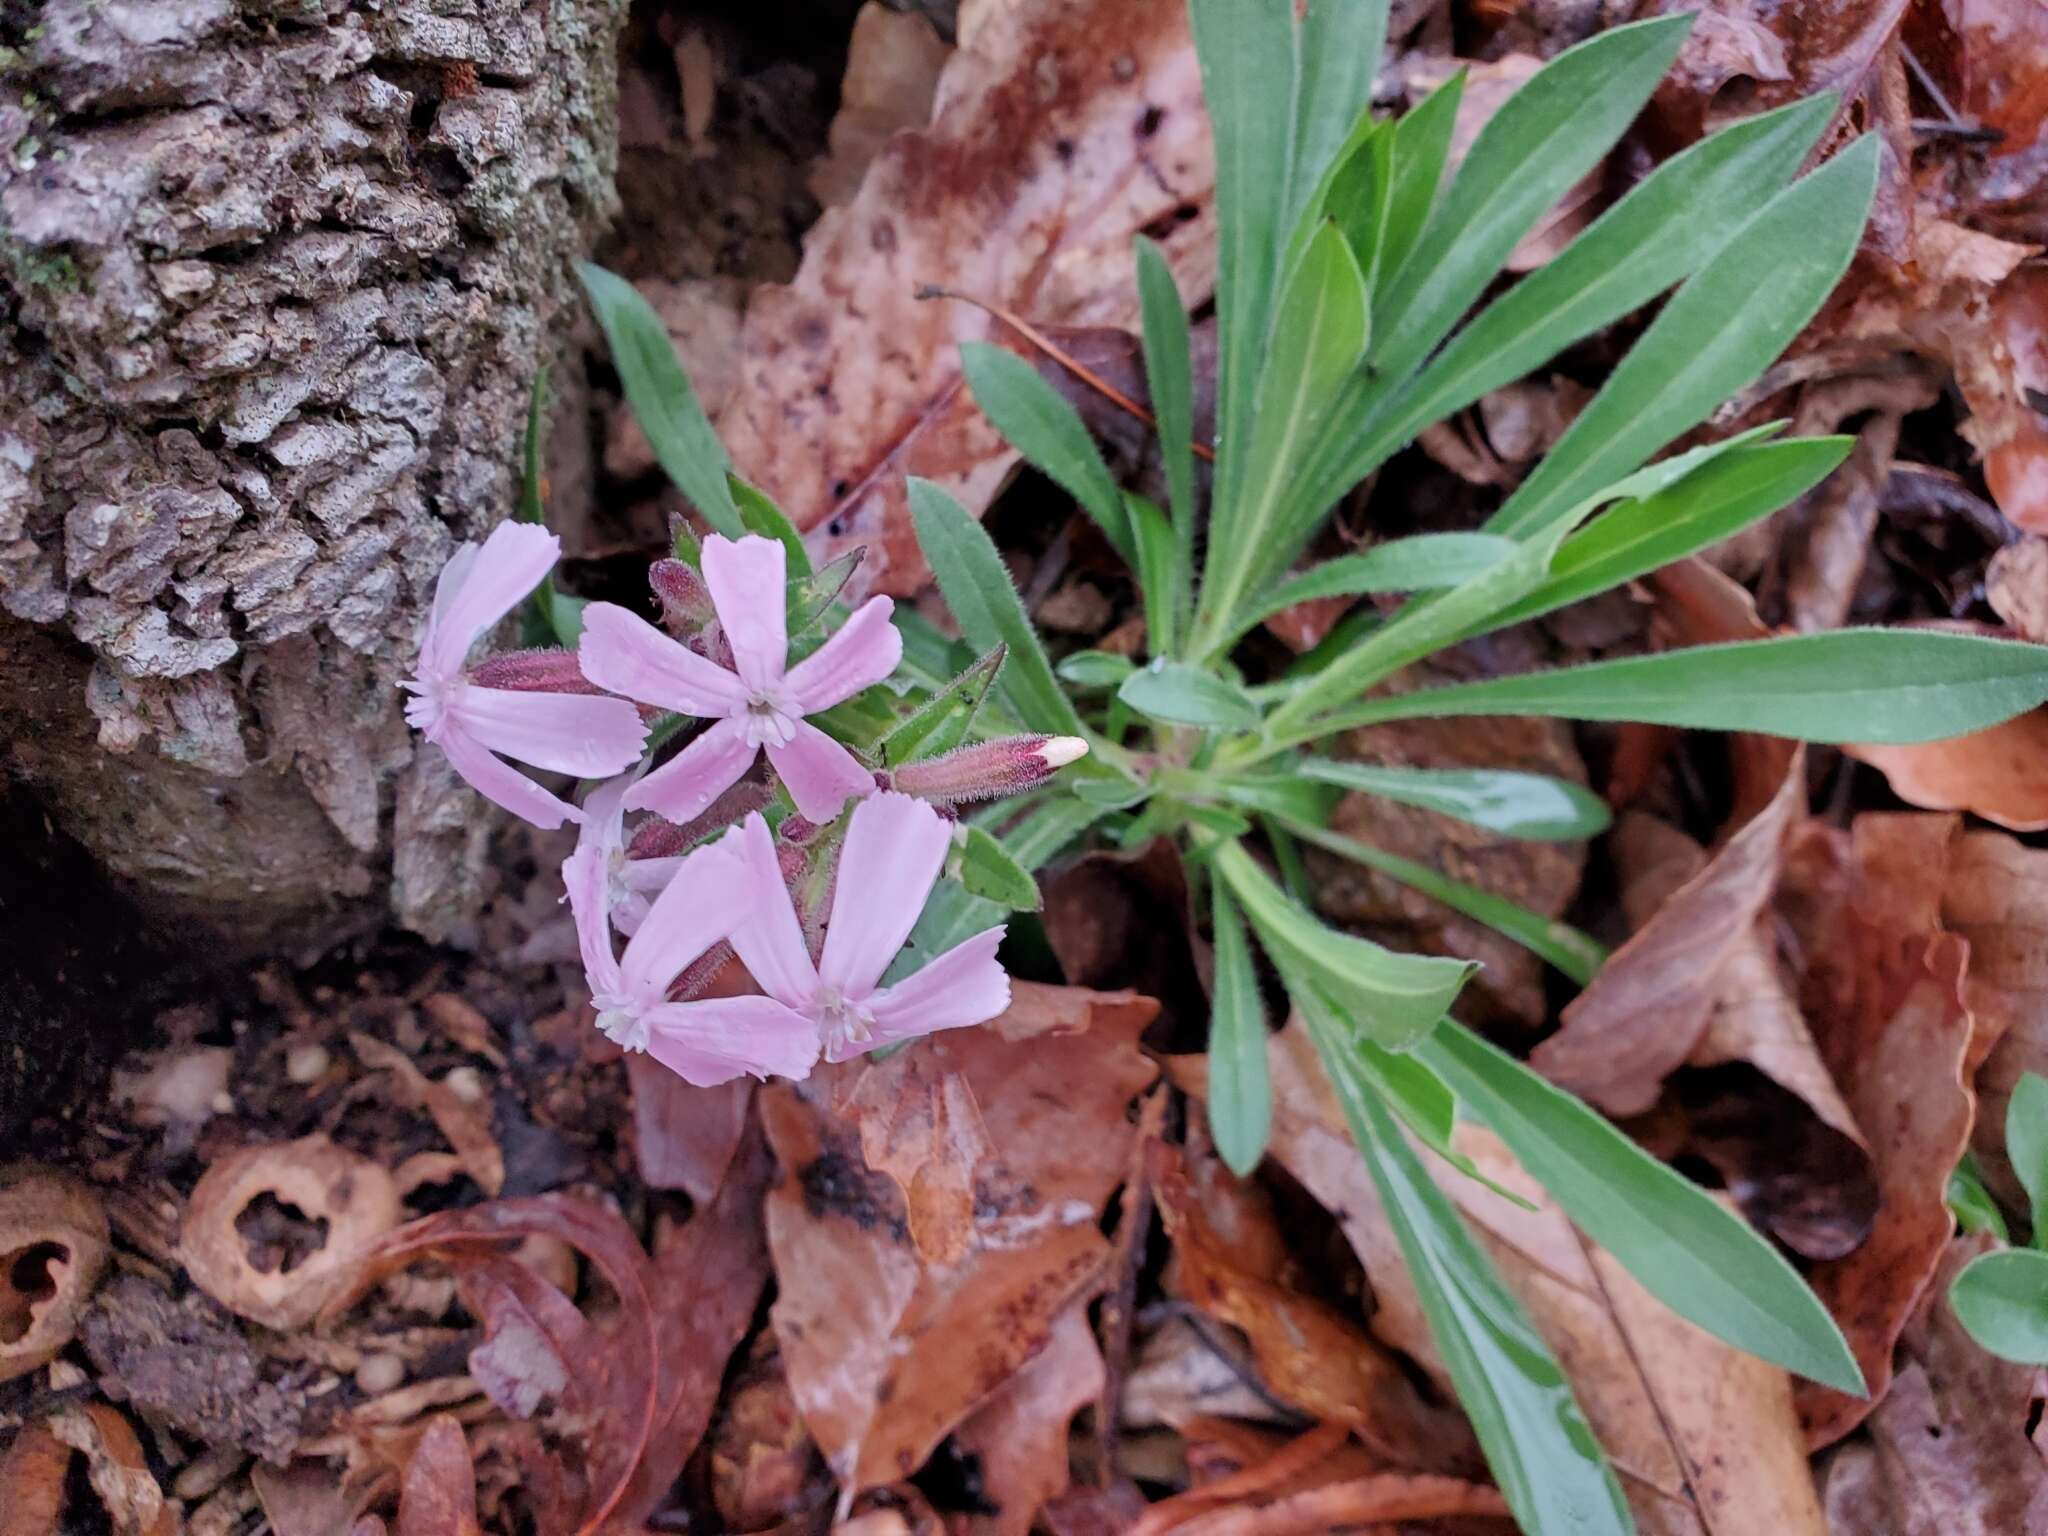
(1536, 1440)
(1240, 1096)
(987, 870)
(2002, 1299)
(1181, 694)
(1571, 952)
(1162, 579)
(2026, 1145)
(1395, 999)
(659, 392)
(1531, 805)
(1974, 1209)
(1337, 53)
(1546, 136)
(762, 516)
(1663, 229)
(1689, 1251)
(1717, 334)
(1169, 375)
(1319, 335)
(1714, 503)
(812, 596)
(1095, 669)
(530, 508)
(1850, 685)
(977, 588)
(1246, 52)
(1422, 562)
(1422, 147)
(1047, 431)
(1361, 196)
(943, 721)
(554, 618)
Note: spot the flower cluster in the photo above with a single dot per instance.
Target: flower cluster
(816, 911)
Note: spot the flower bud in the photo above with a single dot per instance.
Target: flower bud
(988, 769)
(541, 671)
(685, 600)
(659, 838)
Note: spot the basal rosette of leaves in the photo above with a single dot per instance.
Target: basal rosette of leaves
(1352, 266)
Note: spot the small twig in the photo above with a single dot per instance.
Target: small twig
(1927, 84)
(1119, 1307)
(1060, 355)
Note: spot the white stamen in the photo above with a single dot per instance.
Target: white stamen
(624, 1027)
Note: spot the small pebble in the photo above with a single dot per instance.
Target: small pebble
(307, 1063)
(223, 1103)
(466, 1083)
(379, 1374)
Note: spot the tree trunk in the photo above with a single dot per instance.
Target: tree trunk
(277, 277)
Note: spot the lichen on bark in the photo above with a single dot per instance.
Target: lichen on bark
(275, 278)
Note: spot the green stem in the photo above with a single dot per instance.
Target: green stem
(1574, 953)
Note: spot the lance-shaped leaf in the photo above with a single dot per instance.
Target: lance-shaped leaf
(1691, 1252)
(1180, 694)
(1240, 1094)
(1531, 805)
(1049, 432)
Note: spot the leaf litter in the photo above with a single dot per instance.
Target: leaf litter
(397, 1243)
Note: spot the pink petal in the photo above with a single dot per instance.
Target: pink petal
(714, 1041)
(894, 849)
(770, 944)
(685, 785)
(707, 898)
(623, 652)
(746, 581)
(589, 886)
(486, 587)
(963, 986)
(585, 734)
(644, 880)
(501, 783)
(863, 652)
(821, 775)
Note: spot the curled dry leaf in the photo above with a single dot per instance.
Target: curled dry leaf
(887, 1351)
(1704, 1437)
(53, 1245)
(355, 1197)
(1949, 1453)
(1308, 1354)
(1884, 991)
(1373, 1502)
(438, 1497)
(1019, 1436)
(465, 1123)
(1050, 147)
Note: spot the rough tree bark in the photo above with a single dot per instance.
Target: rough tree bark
(277, 276)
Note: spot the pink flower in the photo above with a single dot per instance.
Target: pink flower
(584, 734)
(894, 849)
(631, 885)
(707, 1042)
(761, 703)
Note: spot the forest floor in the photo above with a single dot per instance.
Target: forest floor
(846, 1304)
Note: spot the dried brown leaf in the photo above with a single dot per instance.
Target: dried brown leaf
(924, 1130)
(887, 1352)
(1058, 133)
(32, 1472)
(1884, 992)
(684, 1137)
(117, 1470)
(1019, 1436)
(438, 1497)
(892, 72)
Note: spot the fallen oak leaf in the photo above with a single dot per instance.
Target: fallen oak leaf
(924, 1130)
(1046, 153)
(1018, 1437)
(1885, 992)
(887, 1352)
